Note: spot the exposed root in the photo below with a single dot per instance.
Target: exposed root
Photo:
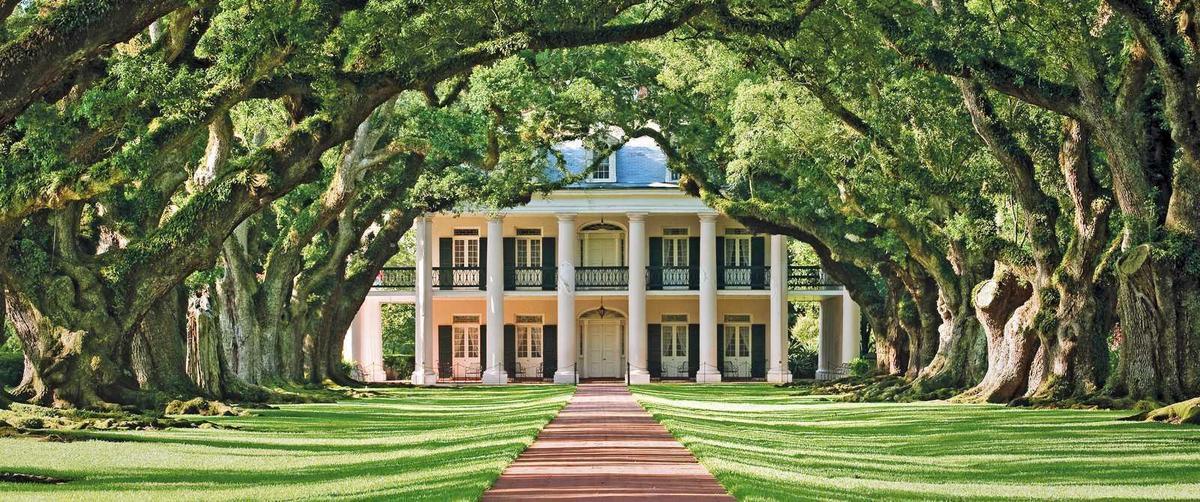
(17, 477)
(1184, 412)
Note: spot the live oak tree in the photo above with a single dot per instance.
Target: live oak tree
(143, 123)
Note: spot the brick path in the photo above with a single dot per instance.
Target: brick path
(604, 446)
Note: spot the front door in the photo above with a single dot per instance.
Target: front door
(603, 350)
(674, 350)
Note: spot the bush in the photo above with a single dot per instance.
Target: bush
(12, 368)
(860, 367)
(398, 366)
(803, 362)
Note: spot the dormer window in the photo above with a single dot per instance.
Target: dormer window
(606, 171)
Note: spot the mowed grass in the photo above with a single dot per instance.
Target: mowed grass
(766, 443)
(434, 444)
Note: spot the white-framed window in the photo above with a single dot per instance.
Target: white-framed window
(529, 336)
(529, 248)
(605, 171)
(675, 247)
(737, 247)
(737, 335)
(465, 247)
(465, 337)
(674, 335)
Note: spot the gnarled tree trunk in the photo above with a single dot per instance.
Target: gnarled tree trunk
(1006, 307)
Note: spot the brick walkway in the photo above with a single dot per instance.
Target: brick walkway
(604, 446)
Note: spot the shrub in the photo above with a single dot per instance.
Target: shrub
(398, 366)
(12, 368)
(803, 362)
(860, 367)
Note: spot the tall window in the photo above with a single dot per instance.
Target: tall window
(466, 247)
(672, 175)
(529, 247)
(466, 336)
(737, 247)
(529, 336)
(737, 335)
(675, 247)
(674, 335)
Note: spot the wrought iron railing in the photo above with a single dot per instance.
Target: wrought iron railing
(810, 277)
(456, 277)
(397, 278)
(615, 278)
(751, 277)
(601, 278)
(732, 370)
(527, 277)
(668, 277)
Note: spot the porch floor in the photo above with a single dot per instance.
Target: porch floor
(604, 446)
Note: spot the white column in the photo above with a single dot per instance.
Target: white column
(567, 342)
(851, 335)
(371, 342)
(494, 372)
(423, 356)
(708, 372)
(829, 352)
(350, 346)
(778, 353)
(639, 372)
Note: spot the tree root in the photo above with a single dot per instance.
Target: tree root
(1183, 412)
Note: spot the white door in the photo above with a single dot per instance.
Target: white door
(737, 350)
(529, 350)
(603, 350)
(675, 351)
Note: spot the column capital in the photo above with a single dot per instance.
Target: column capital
(495, 217)
(707, 216)
(565, 216)
(637, 216)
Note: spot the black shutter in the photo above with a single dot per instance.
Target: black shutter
(445, 261)
(693, 265)
(693, 349)
(656, 263)
(758, 258)
(721, 263)
(483, 264)
(549, 350)
(549, 263)
(721, 348)
(510, 349)
(654, 349)
(445, 351)
(510, 263)
(482, 349)
(758, 351)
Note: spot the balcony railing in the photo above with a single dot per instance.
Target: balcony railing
(745, 277)
(799, 278)
(528, 278)
(668, 277)
(810, 277)
(602, 278)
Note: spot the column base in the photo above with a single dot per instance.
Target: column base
(638, 377)
(424, 377)
(565, 376)
(496, 377)
(708, 376)
(830, 374)
(779, 376)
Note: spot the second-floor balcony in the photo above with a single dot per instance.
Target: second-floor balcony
(616, 278)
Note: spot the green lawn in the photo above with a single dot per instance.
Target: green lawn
(443, 444)
(764, 443)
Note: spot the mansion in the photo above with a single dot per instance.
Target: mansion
(621, 276)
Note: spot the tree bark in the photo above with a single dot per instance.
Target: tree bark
(1006, 307)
